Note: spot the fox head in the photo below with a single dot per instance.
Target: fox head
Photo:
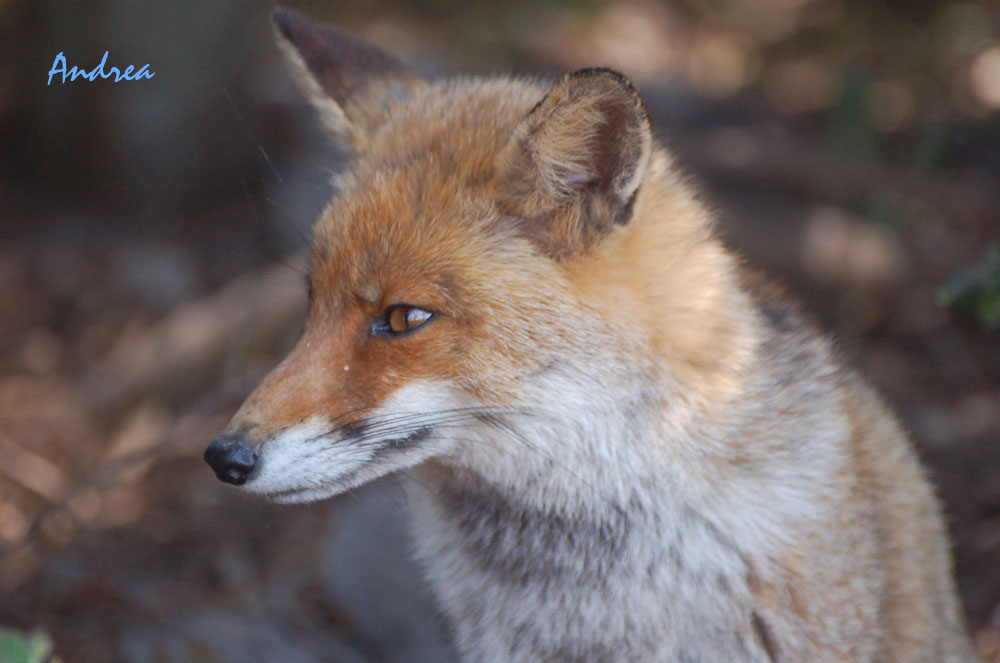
(504, 264)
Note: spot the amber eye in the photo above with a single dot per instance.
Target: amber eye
(400, 319)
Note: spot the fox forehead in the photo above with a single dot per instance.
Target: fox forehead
(420, 199)
(390, 242)
(460, 122)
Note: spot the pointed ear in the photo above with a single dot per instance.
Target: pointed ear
(350, 82)
(574, 164)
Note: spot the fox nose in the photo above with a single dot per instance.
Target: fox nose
(232, 460)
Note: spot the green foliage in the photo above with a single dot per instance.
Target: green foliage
(18, 648)
(976, 290)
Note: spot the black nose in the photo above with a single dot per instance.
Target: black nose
(232, 460)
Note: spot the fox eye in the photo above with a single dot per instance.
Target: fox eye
(400, 319)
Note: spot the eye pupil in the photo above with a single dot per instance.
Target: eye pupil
(400, 319)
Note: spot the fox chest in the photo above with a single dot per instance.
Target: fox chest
(516, 583)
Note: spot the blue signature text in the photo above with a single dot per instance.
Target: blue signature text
(130, 73)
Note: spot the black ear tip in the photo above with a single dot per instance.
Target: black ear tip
(610, 74)
(286, 20)
(614, 75)
(619, 82)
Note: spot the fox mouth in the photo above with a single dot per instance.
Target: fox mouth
(318, 458)
(321, 457)
(358, 474)
(308, 494)
(397, 443)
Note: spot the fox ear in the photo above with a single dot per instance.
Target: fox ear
(350, 82)
(573, 166)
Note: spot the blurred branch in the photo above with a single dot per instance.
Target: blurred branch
(195, 338)
(31, 471)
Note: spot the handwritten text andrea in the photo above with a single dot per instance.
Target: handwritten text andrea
(59, 67)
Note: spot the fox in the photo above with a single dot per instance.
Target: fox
(618, 443)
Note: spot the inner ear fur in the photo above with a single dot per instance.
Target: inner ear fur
(350, 82)
(573, 166)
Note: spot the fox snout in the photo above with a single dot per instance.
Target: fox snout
(231, 459)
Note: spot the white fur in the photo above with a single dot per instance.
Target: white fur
(599, 439)
(312, 461)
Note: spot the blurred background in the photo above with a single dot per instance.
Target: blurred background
(151, 241)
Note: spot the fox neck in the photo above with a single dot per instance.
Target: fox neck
(563, 520)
